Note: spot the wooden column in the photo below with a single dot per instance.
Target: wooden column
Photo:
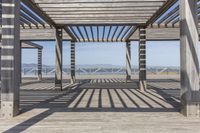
(59, 60)
(128, 61)
(39, 64)
(142, 58)
(73, 62)
(10, 58)
(20, 63)
(0, 60)
(190, 95)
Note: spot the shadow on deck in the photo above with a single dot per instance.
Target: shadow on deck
(113, 95)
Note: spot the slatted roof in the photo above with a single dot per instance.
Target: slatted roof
(29, 18)
(99, 11)
(100, 20)
(171, 17)
(117, 33)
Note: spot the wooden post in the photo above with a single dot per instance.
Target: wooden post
(128, 61)
(59, 60)
(10, 57)
(73, 63)
(142, 59)
(0, 60)
(20, 63)
(39, 64)
(190, 94)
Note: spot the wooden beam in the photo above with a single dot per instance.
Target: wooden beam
(91, 29)
(120, 33)
(96, 12)
(108, 35)
(158, 34)
(39, 64)
(114, 33)
(126, 32)
(59, 59)
(30, 4)
(133, 4)
(93, 2)
(161, 11)
(86, 32)
(168, 14)
(131, 33)
(80, 33)
(24, 9)
(142, 59)
(190, 96)
(73, 63)
(43, 34)
(103, 37)
(73, 31)
(128, 61)
(29, 44)
(10, 58)
(67, 30)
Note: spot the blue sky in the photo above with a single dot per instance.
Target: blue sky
(159, 53)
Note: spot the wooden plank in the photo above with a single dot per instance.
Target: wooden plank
(161, 11)
(94, 1)
(158, 34)
(101, 4)
(39, 65)
(128, 61)
(81, 12)
(190, 100)
(10, 59)
(46, 34)
(102, 9)
(35, 17)
(142, 58)
(59, 59)
(69, 33)
(38, 11)
(73, 63)
(29, 44)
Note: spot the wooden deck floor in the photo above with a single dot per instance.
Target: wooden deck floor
(101, 106)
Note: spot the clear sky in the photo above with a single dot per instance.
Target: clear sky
(159, 53)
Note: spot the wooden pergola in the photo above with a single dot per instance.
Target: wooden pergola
(31, 45)
(99, 21)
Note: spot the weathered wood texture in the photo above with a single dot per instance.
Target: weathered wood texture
(102, 107)
(28, 45)
(34, 7)
(73, 63)
(39, 64)
(31, 45)
(84, 11)
(10, 58)
(59, 59)
(190, 96)
(142, 59)
(158, 34)
(100, 12)
(153, 33)
(46, 34)
(128, 61)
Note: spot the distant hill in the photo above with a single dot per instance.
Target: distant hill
(33, 65)
(81, 66)
(95, 66)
